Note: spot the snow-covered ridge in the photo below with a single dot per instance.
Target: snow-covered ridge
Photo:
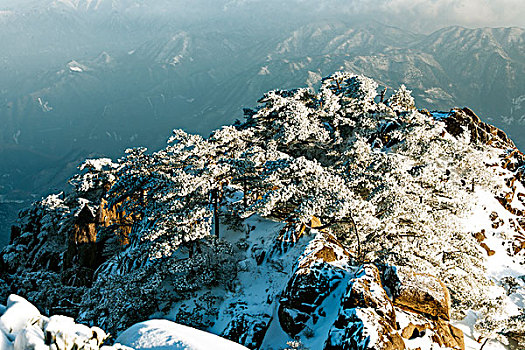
(22, 327)
(164, 335)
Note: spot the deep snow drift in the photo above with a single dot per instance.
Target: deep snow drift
(22, 327)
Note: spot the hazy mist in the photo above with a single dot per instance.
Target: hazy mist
(83, 78)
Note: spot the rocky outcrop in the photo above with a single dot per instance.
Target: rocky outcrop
(421, 293)
(81, 248)
(247, 330)
(319, 273)
(366, 291)
(115, 216)
(417, 326)
(459, 119)
(367, 318)
(59, 239)
(425, 301)
(371, 301)
(305, 292)
(511, 159)
(22, 327)
(447, 335)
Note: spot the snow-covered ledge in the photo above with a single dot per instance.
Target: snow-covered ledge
(22, 327)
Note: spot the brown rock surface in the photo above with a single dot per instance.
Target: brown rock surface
(421, 293)
(489, 251)
(314, 279)
(414, 330)
(447, 335)
(480, 236)
(480, 132)
(326, 254)
(366, 310)
(439, 330)
(114, 215)
(367, 292)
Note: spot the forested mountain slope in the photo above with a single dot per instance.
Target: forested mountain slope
(91, 96)
(327, 219)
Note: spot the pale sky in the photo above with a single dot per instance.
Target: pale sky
(425, 15)
(418, 15)
(470, 13)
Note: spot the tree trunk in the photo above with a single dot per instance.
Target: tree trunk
(215, 199)
(245, 192)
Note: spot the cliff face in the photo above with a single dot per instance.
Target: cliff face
(326, 220)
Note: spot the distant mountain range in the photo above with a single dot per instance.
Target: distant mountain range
(148, 77)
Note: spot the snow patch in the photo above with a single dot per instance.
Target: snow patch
(98, 164)
(22, 327)
(264, 71)
(167, 335)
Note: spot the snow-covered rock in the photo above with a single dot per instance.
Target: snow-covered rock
(422, 293)
(5, 342)
(321, 269)
(366, 318)
(31, 337)
(168, 335)
(18, 314)
(22, 327)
